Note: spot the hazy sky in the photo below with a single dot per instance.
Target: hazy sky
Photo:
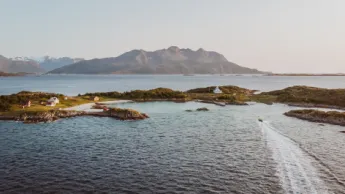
(271, 35)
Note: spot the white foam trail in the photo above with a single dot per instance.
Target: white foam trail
(294, 167)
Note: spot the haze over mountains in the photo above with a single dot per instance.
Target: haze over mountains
(34, 65)
(172, 60)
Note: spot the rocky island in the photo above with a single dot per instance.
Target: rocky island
(305, 96)
(330, 117)
(33, 107)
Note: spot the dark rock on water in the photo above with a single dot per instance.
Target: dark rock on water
(212, 102)
(237, 103)
(202, 109)
(199, 109)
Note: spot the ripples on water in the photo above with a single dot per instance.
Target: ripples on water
(224, 150)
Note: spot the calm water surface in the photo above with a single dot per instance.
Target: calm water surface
(75, 84)
(225, 150)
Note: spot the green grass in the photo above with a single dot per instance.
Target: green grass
(311, 95)
(36, 106)
(261, 98)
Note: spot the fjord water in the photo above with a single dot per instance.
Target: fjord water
(75, 84)
(224, 150)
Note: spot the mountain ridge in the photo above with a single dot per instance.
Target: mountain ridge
(172, 60)
(34, 65)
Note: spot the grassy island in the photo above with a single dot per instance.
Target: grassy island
(33, 107)
(305, 96)
(330, 117)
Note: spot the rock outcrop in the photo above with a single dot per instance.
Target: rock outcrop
(202, 109)
(126, 114)
(47, 116)
(212, 102)
(53, 115)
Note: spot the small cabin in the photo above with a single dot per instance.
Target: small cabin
(95, 98)
(53, 100)
(27, 104)
(217, 90)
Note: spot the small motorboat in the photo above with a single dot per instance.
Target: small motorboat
(261, 120)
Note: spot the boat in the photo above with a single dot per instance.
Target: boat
(261, 120)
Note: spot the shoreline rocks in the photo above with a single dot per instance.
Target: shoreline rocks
(237, 103)
(212, 102)
(43, 116)
(53, 115)
(310, 105)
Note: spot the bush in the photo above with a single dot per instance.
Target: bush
(227, 97)
(203, 90)
(4, 106)
(158, 93)
(235, 89)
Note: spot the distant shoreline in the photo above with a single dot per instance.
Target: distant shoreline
(305, 74)
(3, 74)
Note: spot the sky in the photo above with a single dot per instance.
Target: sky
(283, 36)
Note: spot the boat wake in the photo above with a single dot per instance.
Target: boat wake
(294, 166)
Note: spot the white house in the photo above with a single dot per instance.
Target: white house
(53, 101)
(217, 90)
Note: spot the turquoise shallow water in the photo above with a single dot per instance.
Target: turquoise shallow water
(225, 150)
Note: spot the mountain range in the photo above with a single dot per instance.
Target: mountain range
(172, 60)
(34, 65)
